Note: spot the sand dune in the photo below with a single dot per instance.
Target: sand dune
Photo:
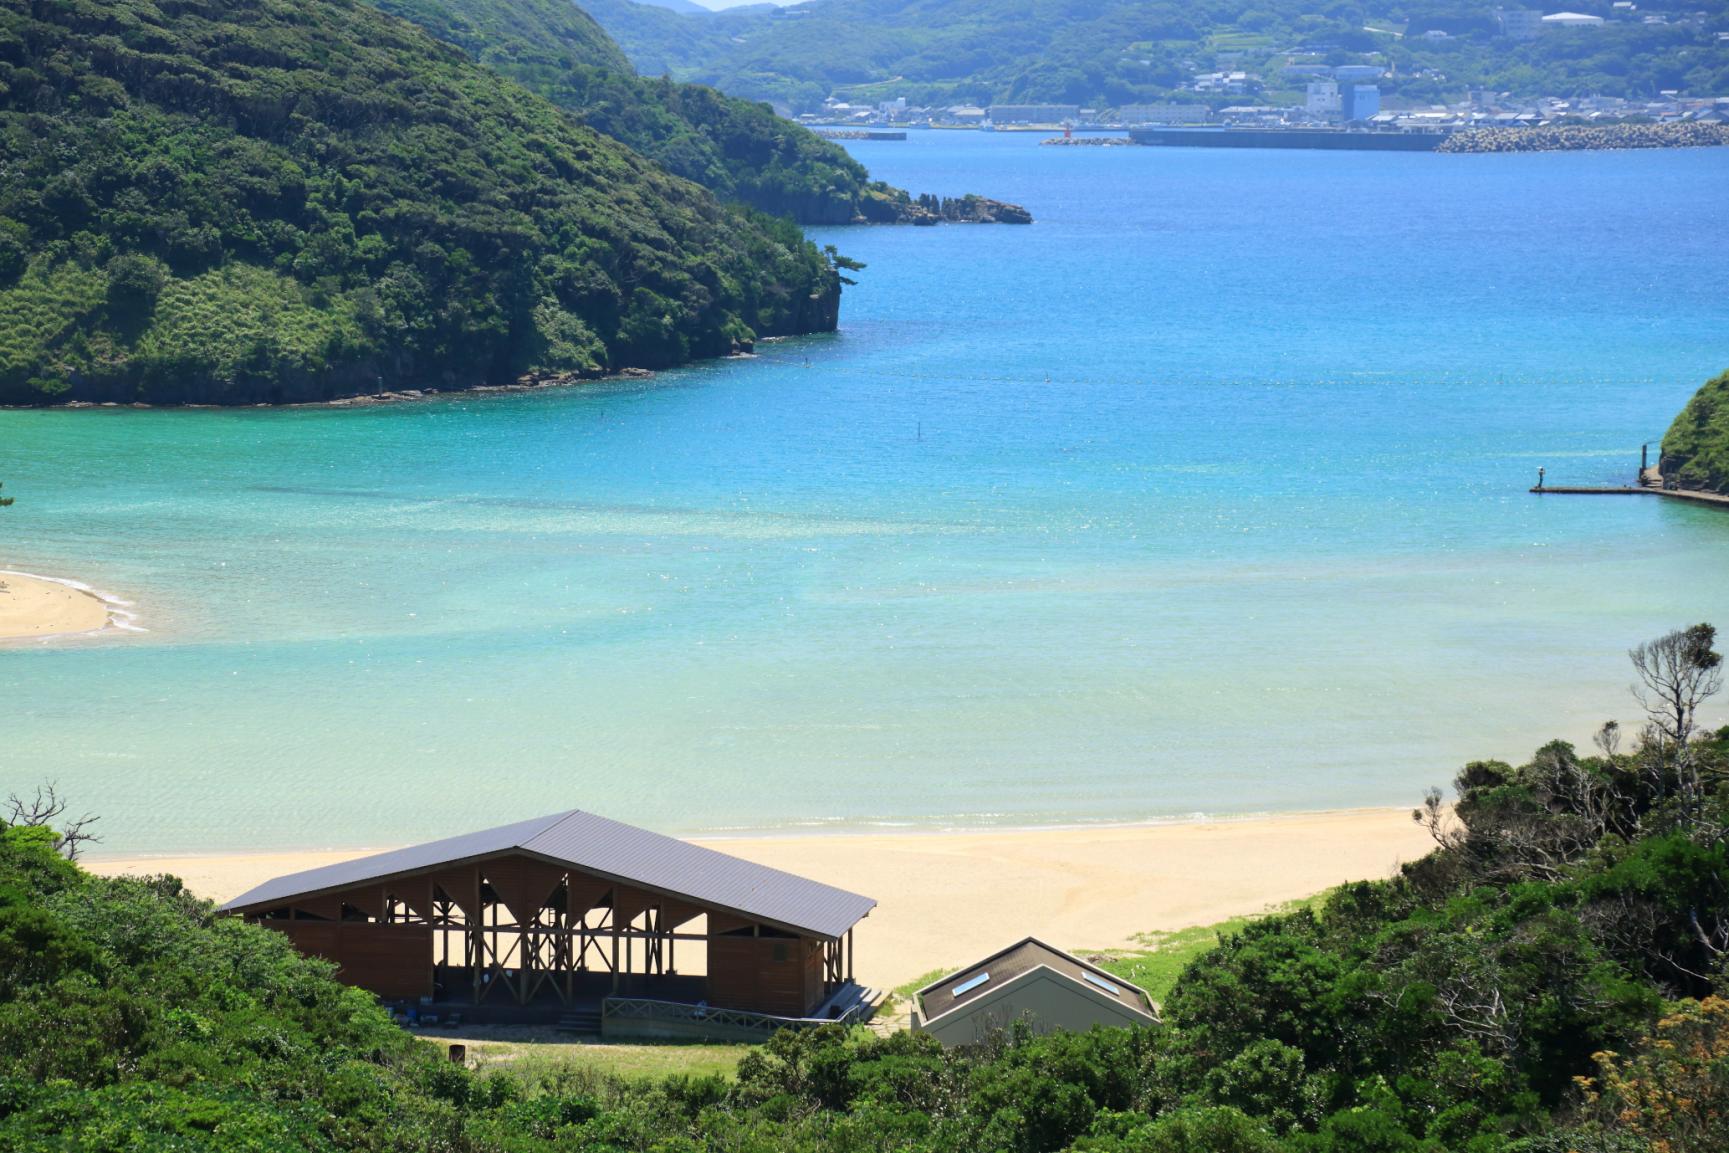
(948, 897)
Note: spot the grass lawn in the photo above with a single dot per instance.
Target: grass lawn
(1159, 958)
(540, 1052)
(1155, 960)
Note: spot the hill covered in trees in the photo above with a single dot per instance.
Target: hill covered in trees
(1549, 979)
(226, 201)
(1696, 447)
(940, 52)
(738, 149)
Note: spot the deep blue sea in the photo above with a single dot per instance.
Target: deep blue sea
(1204, 494)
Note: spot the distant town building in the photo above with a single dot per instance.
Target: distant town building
(1230, 83)
(1034, 113)
(1359, 101)
(965, 113)
(1571, 20)
(1520, 23)
(1346, 72)
(1322, 99)
(1164, 114)
(1252, 114)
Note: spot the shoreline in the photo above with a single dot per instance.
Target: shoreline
(946, 897)
(33, 607)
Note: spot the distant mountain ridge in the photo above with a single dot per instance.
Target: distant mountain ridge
(1113, 52)
(242, 201)
(738, 149)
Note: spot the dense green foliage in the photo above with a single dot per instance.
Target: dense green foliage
(1544, 981)
(738, 149)
(1696, 447)
(1126, 51)
(229, 201)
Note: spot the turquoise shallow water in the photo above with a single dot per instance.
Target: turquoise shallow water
(1204, 494)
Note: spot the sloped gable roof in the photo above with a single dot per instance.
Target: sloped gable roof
(594, 844)
(957, 990)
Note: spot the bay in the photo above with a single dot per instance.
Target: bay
(1204, 494)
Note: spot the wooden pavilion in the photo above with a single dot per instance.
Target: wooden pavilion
(579, 918)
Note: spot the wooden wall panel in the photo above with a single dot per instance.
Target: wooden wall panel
(328, 907)
(461, 885)
(415, 892)
(522, 884)
(628, 903)
(585, 893)
(312, 938)
(389, 960)
(676, 913)
(369, 899)
(767, 974)
(815, 986)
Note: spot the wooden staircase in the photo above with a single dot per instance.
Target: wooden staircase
(585, 1021)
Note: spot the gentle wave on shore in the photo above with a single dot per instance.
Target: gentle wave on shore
(45, 610)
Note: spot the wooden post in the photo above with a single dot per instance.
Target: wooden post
(612, 918)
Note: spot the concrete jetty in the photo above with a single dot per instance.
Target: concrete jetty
(1650, 484)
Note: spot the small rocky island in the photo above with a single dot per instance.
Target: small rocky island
(926, 209)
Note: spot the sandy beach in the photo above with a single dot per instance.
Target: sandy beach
(945, 898)
(32, 606)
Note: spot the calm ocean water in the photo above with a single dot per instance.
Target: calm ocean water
(1204, 494)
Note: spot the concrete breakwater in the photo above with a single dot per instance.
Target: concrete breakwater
(1579, 137)
(1087, 141)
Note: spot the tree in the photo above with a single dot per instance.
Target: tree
(1678, 672)
(42, 810)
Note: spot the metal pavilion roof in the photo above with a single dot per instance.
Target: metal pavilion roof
(597, 845)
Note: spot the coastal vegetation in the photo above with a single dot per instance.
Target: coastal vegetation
(939, 52)
(738, 149)
(226, 202)
(1696, 447)
(1550, 978)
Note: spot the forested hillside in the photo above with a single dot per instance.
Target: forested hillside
(264, 200)
(1127, 51)
(739, 149)
(1696, 447)
(1550, 979)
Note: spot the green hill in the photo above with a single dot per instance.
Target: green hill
(1696, 447)
(1549, 979)
(235, 201)
(1116, 52)
(739, 149)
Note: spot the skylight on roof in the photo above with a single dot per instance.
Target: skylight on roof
(1103, 984)
(969, 985)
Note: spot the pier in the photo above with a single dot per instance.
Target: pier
(1650, 484)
